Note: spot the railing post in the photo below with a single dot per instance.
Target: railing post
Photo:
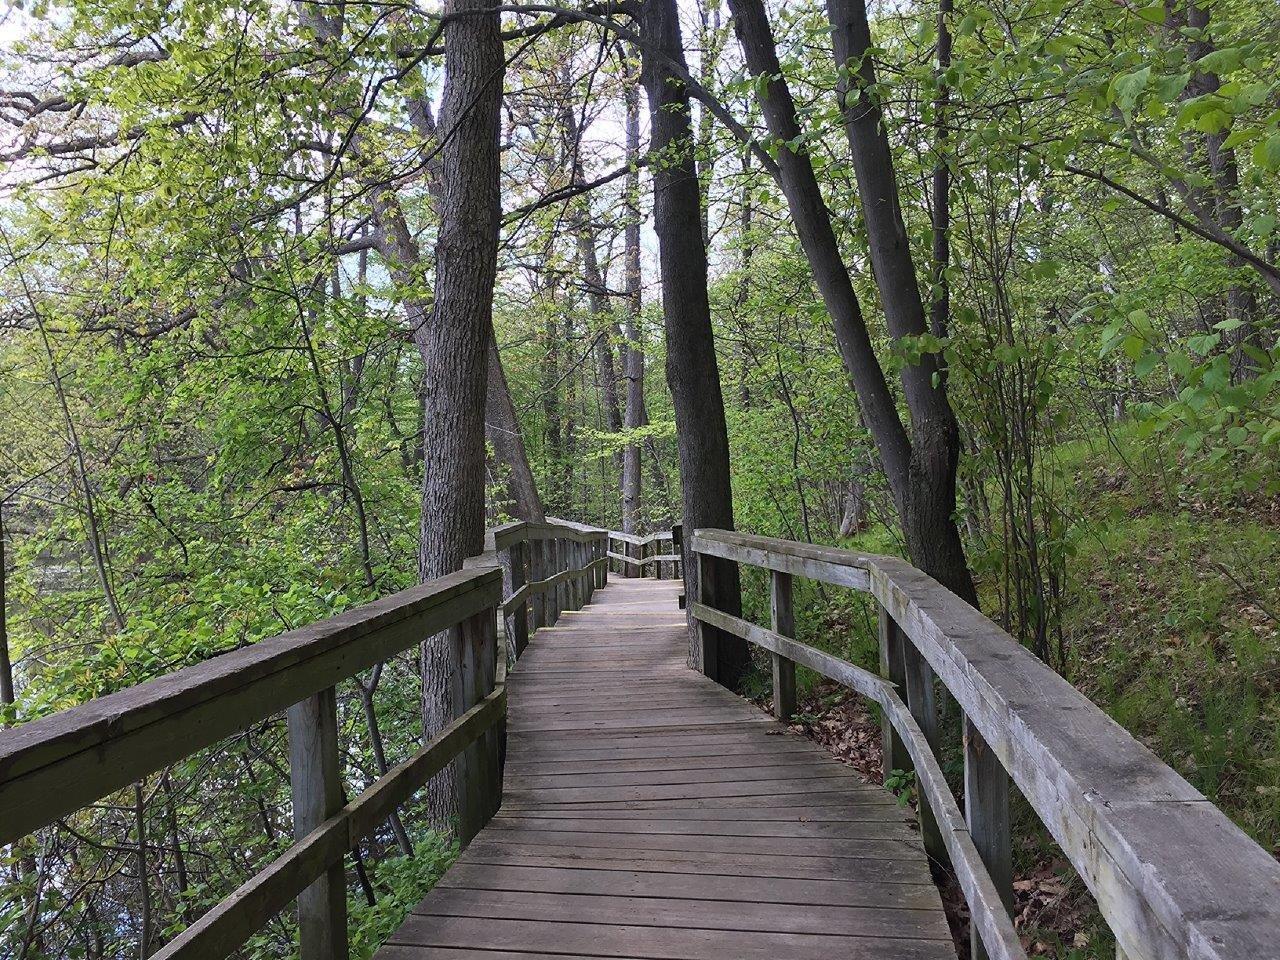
(657, 564)
(479, 775)
(574, 584)
(635, 552)
(315, 777)
(518, 623)
(538, 571)
(602, 553)
(924, 708)
(677, 548)
(577, 585)
(553, 568)
(706, 638)
(782, 617)
(986, 808)
(893, 669)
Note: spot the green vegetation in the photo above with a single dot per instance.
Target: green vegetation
(217, 259)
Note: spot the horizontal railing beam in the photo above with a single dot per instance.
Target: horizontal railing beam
(56, 765)
(230, 924)
(989, 913)
(1172, 875)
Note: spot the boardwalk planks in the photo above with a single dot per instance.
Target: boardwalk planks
(649, 813)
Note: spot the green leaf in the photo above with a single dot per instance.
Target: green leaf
(1231, 323)
(1146, 363)
(1129, 86)
(1169, 87)
(1267, 153)
(1212, 121)
(1222, 61)
(1152, 14)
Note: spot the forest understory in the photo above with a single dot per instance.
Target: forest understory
(297, 299)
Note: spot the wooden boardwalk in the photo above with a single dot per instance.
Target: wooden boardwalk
(650, 814)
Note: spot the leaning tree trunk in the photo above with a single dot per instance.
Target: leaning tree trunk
(692, 372)
(634, 414)
(455, 342)
(929, 501)
(502, 427)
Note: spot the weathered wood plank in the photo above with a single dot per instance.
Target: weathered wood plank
(649, 812)
(54, 766)
(315, 779)
(783, 618)
(1171, 874)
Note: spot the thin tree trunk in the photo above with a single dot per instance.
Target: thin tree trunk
(1220, 160)
(940, 308)
(6, 664)
(921, 469)
(692, 371)
(502, 427)
(455, 344)
(144, 891)
(635, 415)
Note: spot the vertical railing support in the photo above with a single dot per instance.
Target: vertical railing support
(921, 701)
(554, 594)
(706, 638)
(986, 808)
(782, 617)
(517, 577)
(601, 553)
(677, 547)
(577, 586)
(635, 551)
(893, 669)
(537, 572)
(479, 774)
(315, 777)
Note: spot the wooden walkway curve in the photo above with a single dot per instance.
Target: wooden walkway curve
(649, 813)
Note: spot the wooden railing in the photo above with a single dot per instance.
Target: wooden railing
(659, 552)
(529, 572)
(1173, 877)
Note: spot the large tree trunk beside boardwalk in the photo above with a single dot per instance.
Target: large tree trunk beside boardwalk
(455, 342)
(692, 371)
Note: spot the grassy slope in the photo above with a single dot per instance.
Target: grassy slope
(1171, 628)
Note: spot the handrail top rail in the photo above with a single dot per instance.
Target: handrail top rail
(553, 528)
(95, 721)
(639, 541)
(1148, 844)
(54, 765)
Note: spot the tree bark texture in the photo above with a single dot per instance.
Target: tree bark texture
(455, 343)
(929, 499)
(635, 415)
(692, 372)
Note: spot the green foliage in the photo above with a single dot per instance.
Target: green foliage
(401, 883)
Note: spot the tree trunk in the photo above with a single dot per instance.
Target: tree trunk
(921, 470)
(502, 427)
(455, 344)
(635, 415)
(692, 372)
(1220, 160)
(940, 308)
(6, 664)
(929, 500)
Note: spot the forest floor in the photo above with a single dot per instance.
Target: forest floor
(1171, 625)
